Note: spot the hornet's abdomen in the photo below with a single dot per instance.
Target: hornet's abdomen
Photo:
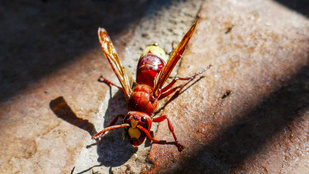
(150, 64)
(148, 67)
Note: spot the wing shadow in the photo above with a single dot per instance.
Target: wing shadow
(62, 110)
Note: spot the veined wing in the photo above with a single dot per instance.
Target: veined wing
(113, 59)
(175, 56)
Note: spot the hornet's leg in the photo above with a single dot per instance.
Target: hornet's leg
(166, 91)
(179, 146)
(104, 80)
(100, 134)
(115, 119)
(164, 117)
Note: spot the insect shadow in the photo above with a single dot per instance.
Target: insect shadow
(62, 110)
(112, 148)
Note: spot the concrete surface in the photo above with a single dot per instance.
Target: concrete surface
(249, 114)
(51, 102)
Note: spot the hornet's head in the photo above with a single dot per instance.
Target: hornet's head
(137, 119)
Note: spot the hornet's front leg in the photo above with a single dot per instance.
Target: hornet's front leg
(110, 127)
(160, 119)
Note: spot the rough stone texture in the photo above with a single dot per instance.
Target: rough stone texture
(250, 112)
(51, 103)
(48, 50)
(163, 26)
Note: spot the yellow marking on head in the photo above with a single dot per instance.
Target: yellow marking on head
(134, 123)
(156, 50)
(134, 133)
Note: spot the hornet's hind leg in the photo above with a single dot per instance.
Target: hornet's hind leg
(166, 91)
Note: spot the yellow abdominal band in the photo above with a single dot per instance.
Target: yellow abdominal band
(156, 50)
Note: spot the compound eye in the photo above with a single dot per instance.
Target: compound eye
(144, 119)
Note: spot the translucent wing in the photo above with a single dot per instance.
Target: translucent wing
(175, 56)
(113, 59)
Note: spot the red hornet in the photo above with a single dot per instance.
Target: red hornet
(142, 95)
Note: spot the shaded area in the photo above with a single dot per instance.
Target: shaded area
(40, 37)
(252, 131)
(301, 6)
(62, 110)
(112, 149)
